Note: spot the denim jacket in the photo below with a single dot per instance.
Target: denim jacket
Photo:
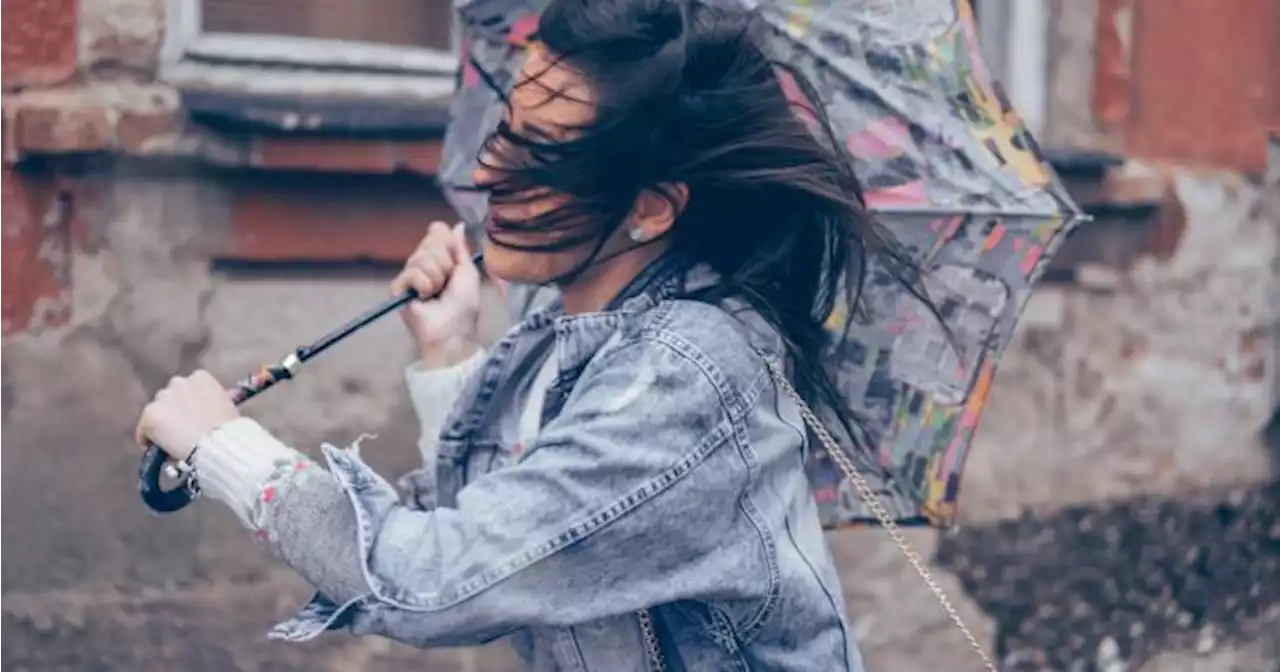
(668, 474)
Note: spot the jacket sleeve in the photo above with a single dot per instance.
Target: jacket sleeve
(433, 393)
(617, 506)
(238, 461)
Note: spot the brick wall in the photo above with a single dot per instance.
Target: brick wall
(144, 237)
(83, 96)
(1189, 81)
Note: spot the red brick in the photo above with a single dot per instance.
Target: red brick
(1203, 81)
(422, 156)
(347, 155)
(1273, 83)
(1112, 74)
(10, 140)
(36, 257)
(38, 42)
(136, 130)
(324, 154)
(325, 217)
(63, 128)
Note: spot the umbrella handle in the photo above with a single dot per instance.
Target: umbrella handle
(154, 462)
(154, 496)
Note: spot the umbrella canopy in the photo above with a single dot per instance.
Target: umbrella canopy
(949, 168)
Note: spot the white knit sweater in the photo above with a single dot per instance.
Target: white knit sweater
(234, 460)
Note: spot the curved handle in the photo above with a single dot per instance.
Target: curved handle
(154, 462)
(155, 497)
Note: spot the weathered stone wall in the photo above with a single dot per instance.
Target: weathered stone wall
(1120, 496)
(1122, 509)
(1119, 506)
(90, 575)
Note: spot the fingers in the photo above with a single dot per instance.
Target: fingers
(438, 234)
(207, 384)
(431, 264)
(154, 410)
(427, 272)
(144, 425)
(179, 395)
(461, 246)
(203, 377)
(462, 252)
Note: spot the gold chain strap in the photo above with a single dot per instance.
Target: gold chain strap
(869, 498)
(651, 641)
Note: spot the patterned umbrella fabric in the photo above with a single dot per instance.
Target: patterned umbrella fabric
(950, 169)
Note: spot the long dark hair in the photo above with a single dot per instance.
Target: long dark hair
(685, 94)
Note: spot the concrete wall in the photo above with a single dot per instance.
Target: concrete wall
(91, 575)
(1120, 507)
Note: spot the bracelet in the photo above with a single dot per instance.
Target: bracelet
(186, 469)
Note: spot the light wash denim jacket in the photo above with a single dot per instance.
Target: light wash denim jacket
(668, 473)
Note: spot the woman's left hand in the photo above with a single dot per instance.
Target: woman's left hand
(183, 413)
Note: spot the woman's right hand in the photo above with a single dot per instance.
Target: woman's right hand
(443, 327)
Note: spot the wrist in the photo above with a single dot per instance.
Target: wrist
(233, 461)
(447, 353)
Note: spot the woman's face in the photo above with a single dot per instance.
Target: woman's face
(546, 100)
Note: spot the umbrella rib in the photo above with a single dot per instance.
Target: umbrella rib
(1073, 209)
(1069, 216)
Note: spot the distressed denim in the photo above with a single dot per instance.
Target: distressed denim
(668, 474)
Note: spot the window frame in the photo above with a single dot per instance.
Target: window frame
(289, 65)
(1015, 35)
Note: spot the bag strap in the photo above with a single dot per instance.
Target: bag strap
(868, 497)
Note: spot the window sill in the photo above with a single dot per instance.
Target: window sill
(287, 100)
(300, 198)
(231, 128)
(236, 110)
(320, 54)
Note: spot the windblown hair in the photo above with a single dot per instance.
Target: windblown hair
(685, 94)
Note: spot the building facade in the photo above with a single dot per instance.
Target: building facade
(209, 183)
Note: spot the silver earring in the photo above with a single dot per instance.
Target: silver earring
(636, 234)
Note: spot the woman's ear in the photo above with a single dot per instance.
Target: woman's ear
(656, 210)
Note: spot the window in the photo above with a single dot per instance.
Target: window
(403, 23)
(1015, 37)
(395, 48)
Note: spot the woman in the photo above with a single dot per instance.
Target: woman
(619, 481)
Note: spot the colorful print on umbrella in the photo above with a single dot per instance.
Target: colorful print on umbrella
(946, 164)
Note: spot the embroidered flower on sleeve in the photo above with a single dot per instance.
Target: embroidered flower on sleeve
(269, 491)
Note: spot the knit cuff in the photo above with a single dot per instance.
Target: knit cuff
(433, 391)
(233, 461)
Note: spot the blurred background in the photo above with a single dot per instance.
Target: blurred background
(209, 183)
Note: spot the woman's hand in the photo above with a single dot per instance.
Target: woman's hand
(183, 413)
(443, 327)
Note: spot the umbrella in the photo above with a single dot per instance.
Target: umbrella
(948, 166)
